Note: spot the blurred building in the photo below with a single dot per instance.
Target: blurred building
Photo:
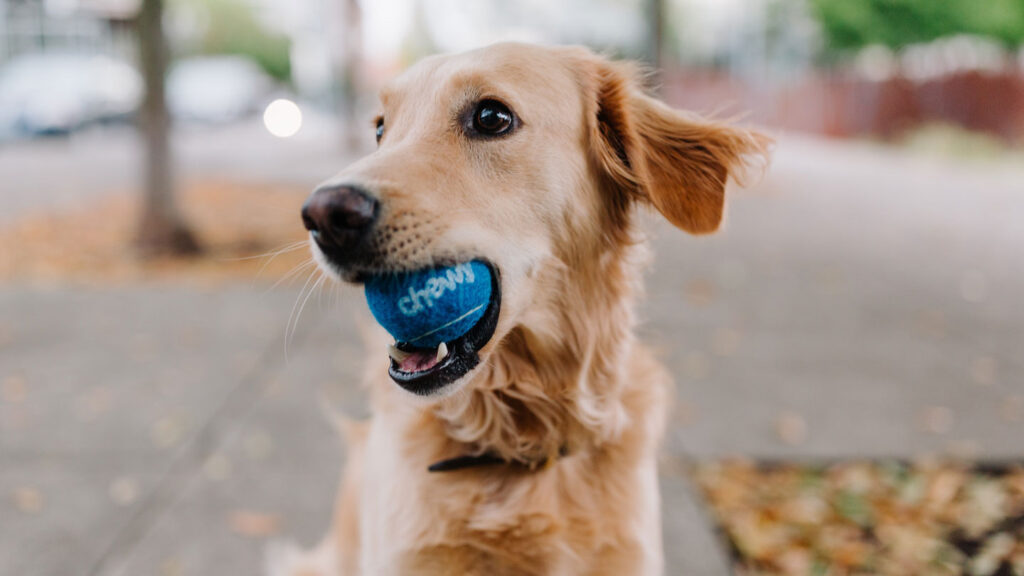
(770, 62)
(79, 26)
(769, 59)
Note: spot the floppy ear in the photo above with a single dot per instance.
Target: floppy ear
(679, 163)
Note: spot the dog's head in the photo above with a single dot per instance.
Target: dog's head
(526, 158)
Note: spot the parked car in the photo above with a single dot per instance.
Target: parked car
(217, 89)
(57, 93)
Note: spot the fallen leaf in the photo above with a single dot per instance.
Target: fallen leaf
(936, 419)
(217, 467)
(1012, 408)
(29, 500)
(983, 370)
(253, 524)
(791, 428)
(124, 491)
(700, 292)
(13, 390)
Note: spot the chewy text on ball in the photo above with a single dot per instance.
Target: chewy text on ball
(435, 288)
(429, 306)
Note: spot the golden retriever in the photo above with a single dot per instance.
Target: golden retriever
(533, 449)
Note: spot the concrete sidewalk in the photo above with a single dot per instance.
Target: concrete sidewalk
(859, 303)
(164, 432)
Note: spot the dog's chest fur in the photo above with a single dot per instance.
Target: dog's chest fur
(594, 511)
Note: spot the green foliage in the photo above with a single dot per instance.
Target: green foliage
(852, 24)
(232, 28)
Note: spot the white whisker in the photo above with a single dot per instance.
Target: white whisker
(288, 327)
(271, 253)
(294, 247)
(315, 288)
(295, 271)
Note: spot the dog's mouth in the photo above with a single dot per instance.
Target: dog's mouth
(425, 371)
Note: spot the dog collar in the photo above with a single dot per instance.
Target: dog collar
(491, 459)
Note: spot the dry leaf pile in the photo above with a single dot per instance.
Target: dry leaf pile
(240, 226)
(869, 518)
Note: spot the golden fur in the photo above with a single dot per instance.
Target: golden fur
(554, 208)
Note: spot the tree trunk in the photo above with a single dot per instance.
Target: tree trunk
(162, 230)
(354, 131)
(656, 41)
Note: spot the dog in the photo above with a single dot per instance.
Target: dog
(533, 451)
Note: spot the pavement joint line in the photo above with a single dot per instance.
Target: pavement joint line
(719, 537)
(186, 465)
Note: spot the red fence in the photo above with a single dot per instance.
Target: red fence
(840, 105)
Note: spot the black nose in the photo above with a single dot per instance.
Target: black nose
(339, 217)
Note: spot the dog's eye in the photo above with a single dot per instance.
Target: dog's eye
(492, 118)
(380, 129)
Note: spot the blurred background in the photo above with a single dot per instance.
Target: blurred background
(848, 350)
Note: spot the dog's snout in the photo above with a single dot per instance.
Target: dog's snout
(339, 217)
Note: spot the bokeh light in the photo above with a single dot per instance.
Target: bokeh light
(283, 118)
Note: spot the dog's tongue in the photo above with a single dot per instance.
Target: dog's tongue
(418, 361)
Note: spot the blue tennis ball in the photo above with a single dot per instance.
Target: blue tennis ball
(426, 307)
